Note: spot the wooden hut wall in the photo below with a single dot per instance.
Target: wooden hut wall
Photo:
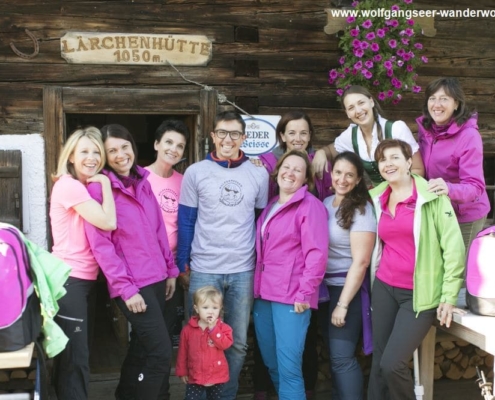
(268, 56)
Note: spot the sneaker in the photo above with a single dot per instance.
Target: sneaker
(260, 396)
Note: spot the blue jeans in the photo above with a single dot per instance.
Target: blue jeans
(281, 334)
(237, 290)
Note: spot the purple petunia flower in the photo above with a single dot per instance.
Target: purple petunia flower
(409, 68)
(406, 57)
(401, 52)
(340, 92)
(408, 1)
(395, 7)
(409, 32)
(376, 83)
(350, 19)
(347, 70)
(367, 74)
(354, 71)
(392, 43)
(342, 60)
(370, 36)
(356, 44)
(410, 22)
(424, 59)
(364, 45)
(358, 52)
(416, 89)
(392, 22)
(358, 65)
(375, 47)
(341, 76)
(418, 46)
(355, 4)
(367, 24)
(390, 93)
(377, 58)
(333, 74)
(396, 83)
(381, 96)
(405, 41)
(390, 73)
(369, 64)
(388, 64)
(354, 32)
(380, 33)
(400, 63)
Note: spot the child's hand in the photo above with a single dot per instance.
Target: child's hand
(184, 379)
(211, 322)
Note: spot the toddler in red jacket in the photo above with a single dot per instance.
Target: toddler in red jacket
(201, 362)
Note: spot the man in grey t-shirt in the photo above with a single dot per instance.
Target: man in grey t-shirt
(217, 206)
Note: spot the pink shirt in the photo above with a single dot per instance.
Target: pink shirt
(69, 238)
(397, 234)
(166, 191)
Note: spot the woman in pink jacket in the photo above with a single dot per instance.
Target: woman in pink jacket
(292, 249)
(452, 151)
(139, 266)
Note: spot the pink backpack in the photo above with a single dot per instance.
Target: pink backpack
(20, 315)
(480, 273)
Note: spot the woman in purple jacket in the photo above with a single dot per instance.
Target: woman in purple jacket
(138, 264)
(452, 152)
(292, 249)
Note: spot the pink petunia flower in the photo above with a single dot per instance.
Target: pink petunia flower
(416, 89)
(355, 4)
(400, 63)
(388, 65)
(390, 93)
(369, 64)
(347, 70)
(392, 43)
(424, 59)
(356, 44)
(409, 68)
(395, 7)
(358, 52)
(342, 60)
(376, 83)
(406, 57)
(367, 74)
(377, 58)
(418, 46)
(380, 33)
(354, 32)
(395, 101)
(367, 24)
(375, 47)
(381, 96)
(351, 19)
(364, 45)
(390, 73)
(333, 74)
(401, 52)
(358, 65)
(408, 1)
(409, 32)
(392, 22)
(370, 36)
(405, 41)
(340, 92)
(410, 22)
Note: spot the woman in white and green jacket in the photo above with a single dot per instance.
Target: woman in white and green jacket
(418, 273)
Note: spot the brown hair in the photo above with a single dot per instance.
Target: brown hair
(310, 180)
(121, 132)
(282, 125)
(452, 88)
(404, 147)
(377, 110)
(357, 198)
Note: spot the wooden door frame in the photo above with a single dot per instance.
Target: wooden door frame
(59, 101)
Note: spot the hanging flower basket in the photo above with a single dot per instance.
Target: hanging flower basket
(381, 50)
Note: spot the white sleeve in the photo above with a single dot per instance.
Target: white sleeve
(402, 132)
(343, 142)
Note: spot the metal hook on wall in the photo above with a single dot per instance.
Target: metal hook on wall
(24, 55)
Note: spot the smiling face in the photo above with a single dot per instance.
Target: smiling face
(208, 310)
(170, 148)
(227, 148)
(441, 107)
(359, 108)
(297, 135)
(291, 175)
(393, 165)
(344, 177)
(86, 159)
(120, 156)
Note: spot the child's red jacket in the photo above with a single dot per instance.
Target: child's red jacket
(201, 353)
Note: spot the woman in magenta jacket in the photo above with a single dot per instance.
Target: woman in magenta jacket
(292, 249)
(137, 261)
(452, 151)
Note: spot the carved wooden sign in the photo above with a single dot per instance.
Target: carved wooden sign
(135, 48)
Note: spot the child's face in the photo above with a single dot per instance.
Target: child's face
(208, 311)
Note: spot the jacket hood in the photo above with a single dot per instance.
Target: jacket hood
(453, 129)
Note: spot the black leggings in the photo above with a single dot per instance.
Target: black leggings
(196, 392)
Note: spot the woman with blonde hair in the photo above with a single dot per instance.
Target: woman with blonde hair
(80, 162)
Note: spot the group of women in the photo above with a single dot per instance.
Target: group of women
(316, 241)
(402, 240)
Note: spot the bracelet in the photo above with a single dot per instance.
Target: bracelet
(342, 305)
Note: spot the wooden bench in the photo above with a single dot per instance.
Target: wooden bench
(16, 359)
(474, 329)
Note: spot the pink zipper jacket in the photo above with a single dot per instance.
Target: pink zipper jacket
(137, 253)
(292, 255)
(457, 157)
